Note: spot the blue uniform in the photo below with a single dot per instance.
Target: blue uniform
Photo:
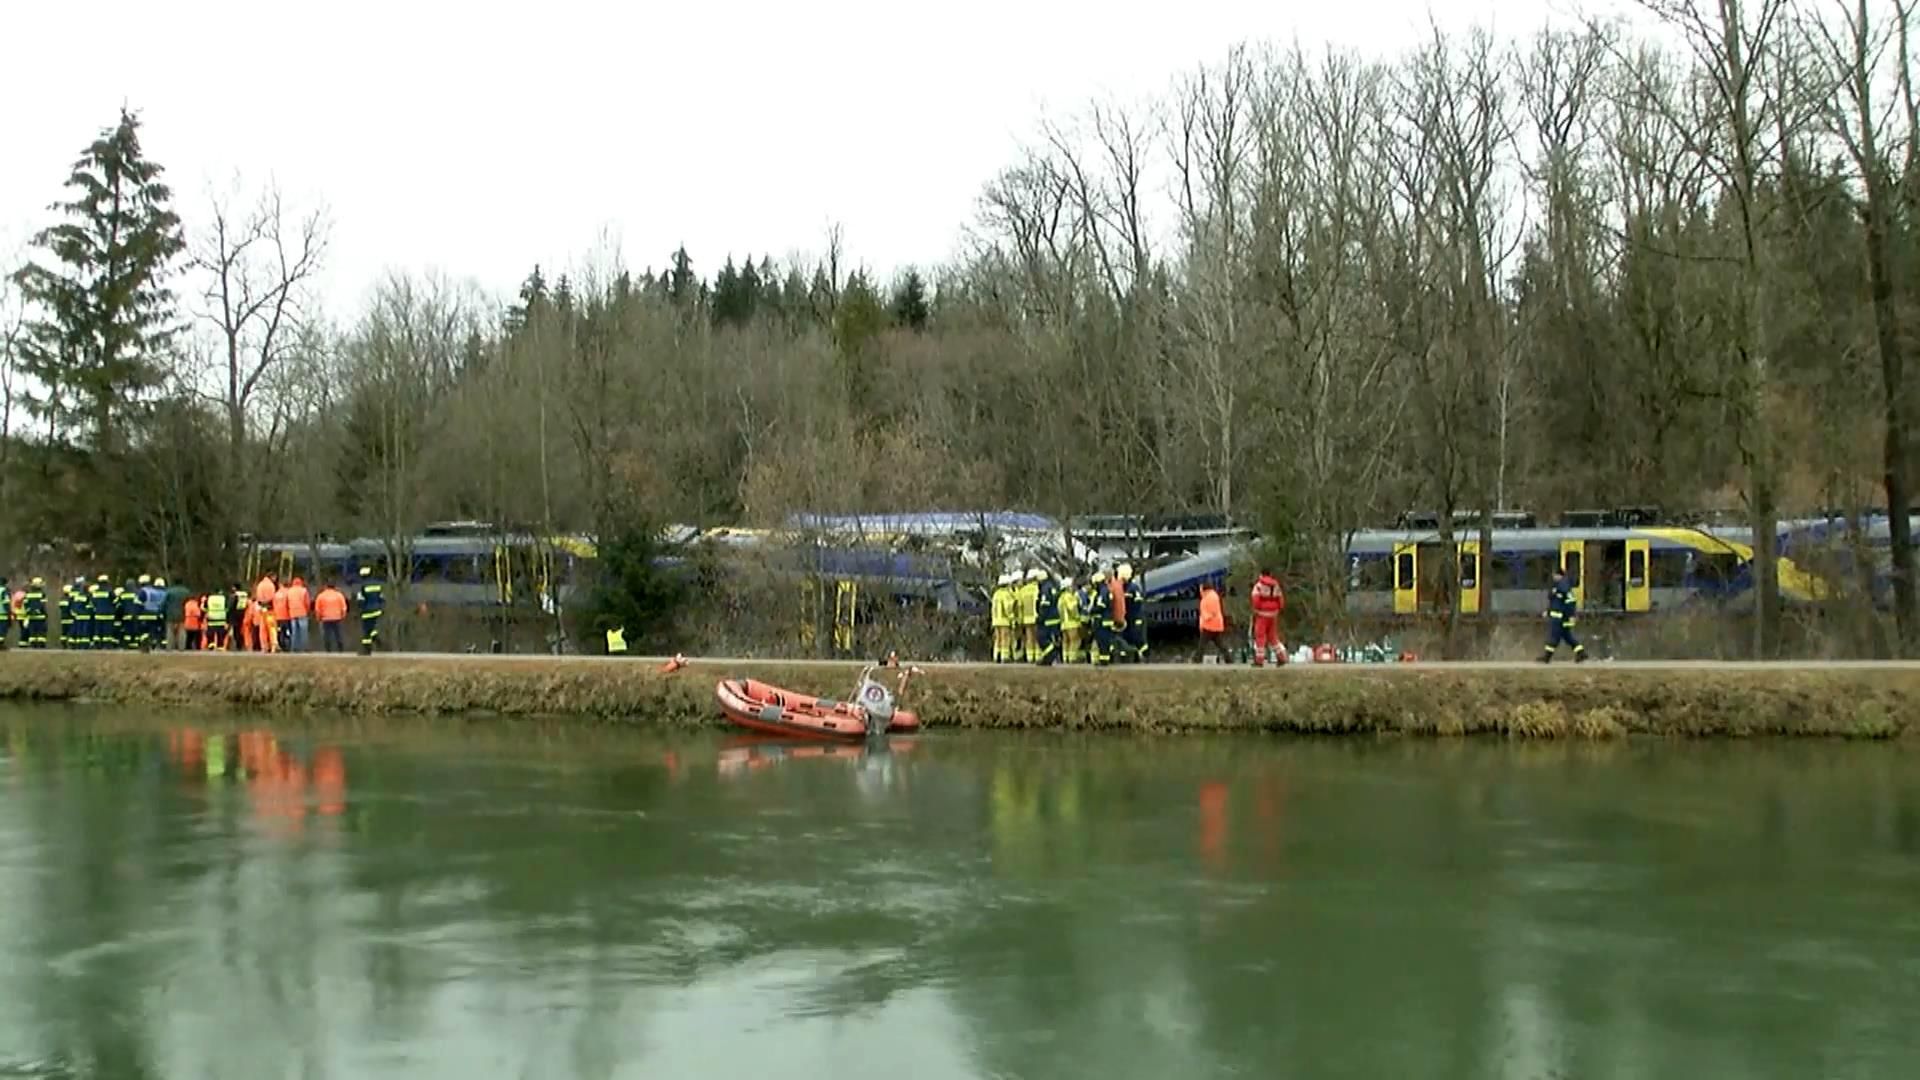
(100, 596)
(373, 604)
(1049, 625)
(33, 630)
(1136, 620)
(1561, 612)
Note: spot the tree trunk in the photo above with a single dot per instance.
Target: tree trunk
(1893, 387)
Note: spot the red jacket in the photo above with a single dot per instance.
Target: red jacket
(1268, 600)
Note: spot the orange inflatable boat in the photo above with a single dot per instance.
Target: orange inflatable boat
(757, 706)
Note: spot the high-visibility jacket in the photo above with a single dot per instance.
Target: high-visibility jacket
(1117, 600)
(1069, 609)
(263, 592)
(299, 601)
(1268, 600)
(330, 605)
(216, 609)
(1003, 606)
(1028, 606)
(281, 606)
(616, 641)
(1212, 619)
(192, 620)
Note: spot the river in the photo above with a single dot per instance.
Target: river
(249, 898)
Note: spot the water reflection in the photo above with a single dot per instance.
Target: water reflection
(194, 900)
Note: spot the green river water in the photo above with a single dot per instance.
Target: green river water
(260, 899)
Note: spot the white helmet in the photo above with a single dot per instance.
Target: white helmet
(1066, 582)
(1126, 571)
(1036, 574)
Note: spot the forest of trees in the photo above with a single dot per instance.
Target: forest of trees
(1306, 288)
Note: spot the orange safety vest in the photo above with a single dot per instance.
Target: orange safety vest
(1117, 590)
(299, 602)
(282, 605)
(1212, 619)
(191, 617)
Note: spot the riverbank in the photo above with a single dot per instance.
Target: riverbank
(1593, 701)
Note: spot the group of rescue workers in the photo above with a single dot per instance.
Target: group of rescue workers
(1045, 619)
(146, 615)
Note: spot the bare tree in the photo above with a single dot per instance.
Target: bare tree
(1736, 128)
(1855, 57)
(259, 263)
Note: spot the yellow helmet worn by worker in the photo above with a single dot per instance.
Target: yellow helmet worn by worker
(159, 583)
(1126, 571)
(1036, 574)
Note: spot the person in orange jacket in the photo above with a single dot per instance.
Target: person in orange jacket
(193, 624)
(331, 609)
(1213, 621)
(281, 617)
(1268, 602)
(299, 606)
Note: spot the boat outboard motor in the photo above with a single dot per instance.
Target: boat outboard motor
(877, 701)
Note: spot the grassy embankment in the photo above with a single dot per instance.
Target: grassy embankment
(1597, 701)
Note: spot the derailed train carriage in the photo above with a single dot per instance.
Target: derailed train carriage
(1623, 563)
(939, 561)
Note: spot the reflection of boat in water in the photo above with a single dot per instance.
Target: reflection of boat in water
(771, 710)
(748, 753)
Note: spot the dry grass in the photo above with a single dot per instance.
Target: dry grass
(1593, 703)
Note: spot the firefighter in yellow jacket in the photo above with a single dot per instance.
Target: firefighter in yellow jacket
(1003, 604)
(1029, 616)
(1069, 621)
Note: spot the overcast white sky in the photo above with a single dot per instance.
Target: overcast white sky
(479, 138)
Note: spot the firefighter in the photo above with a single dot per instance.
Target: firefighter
(79, 633)
(1097, 608)
(33, 607)
(1003, 619)
(1049, 616)
(1561, 610)
(373, 603)
(1070, 651)
(126, 616)
(100, 598)
(1136, 629)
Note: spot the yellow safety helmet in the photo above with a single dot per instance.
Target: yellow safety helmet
(37, 581)
(366, 571)
(159, 583)
(146, 579)
(1036, 574)
(1126, 571)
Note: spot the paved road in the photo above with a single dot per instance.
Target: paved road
(1470, 665)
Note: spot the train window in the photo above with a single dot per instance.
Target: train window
(1636, 569)
(463, 569)
(1537, 569)
(1469, 569)
(1570, 562)
(1371, 574)
(1403, 577)
(1668, 569)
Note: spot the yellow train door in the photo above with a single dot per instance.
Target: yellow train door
(1573, 560)
(1406, 579)
(1639, 576)
(1470, 573)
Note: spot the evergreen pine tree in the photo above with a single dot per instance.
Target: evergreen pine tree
(108, 316)
(910, 302)
(682, 287)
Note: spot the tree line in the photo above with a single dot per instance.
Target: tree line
(1303, 287)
